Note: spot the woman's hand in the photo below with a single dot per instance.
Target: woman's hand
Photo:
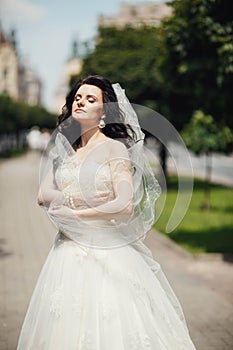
(62, 213)
(91, 199)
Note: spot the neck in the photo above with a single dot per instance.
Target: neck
(88, 134)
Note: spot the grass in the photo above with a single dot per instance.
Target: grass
(201, 230)
(17, 152)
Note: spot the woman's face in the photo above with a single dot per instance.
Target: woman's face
(87, 107)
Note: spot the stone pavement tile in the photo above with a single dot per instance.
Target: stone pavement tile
(3, 345)
(217, 274)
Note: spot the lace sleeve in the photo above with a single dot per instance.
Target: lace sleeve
(120, 166)
(121, 174)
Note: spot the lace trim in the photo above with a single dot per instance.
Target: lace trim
(77, 304)
(86, 342)
(55, 301)
(139, 341)
(107, 310)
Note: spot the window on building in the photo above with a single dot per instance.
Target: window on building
(5, 73)
(133, 11)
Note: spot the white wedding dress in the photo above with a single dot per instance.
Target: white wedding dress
(100, 299)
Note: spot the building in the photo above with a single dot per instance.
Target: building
(73, 66)
(17, 79)
(146, 13)
(30, 86)
(9, 80)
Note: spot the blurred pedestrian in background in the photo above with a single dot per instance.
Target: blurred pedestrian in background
(34, 138)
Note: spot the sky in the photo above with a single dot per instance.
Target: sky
(45, 30)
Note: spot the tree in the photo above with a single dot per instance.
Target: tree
(204, 136)
(184, 65)
(127, 56)
(198, 60)
(16, 116)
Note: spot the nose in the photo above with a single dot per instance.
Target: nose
(80, 102)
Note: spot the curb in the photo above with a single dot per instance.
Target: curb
(227, 257)
(168, 242)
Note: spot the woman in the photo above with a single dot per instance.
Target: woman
(100, 287)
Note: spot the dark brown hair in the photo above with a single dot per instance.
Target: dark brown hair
(114, 118)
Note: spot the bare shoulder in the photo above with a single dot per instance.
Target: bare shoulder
(116, 146)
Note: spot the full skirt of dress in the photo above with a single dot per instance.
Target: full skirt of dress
(97, 299)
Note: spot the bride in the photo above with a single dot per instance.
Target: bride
(100, 287)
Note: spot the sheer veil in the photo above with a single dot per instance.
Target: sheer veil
(146, 187)
(60, 159)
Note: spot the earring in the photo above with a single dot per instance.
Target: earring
(101, 124)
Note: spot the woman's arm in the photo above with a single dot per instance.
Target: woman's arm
(48, 192)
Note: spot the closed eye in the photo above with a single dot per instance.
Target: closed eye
(90, 99)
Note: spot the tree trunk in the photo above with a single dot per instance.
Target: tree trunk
(163, 160)
(206, 204)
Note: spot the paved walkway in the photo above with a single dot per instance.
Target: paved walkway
(203, 287)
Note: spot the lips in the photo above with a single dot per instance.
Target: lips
(79, 110)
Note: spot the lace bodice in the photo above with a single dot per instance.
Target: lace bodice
(83, 179)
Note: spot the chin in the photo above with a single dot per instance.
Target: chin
(78, 117)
